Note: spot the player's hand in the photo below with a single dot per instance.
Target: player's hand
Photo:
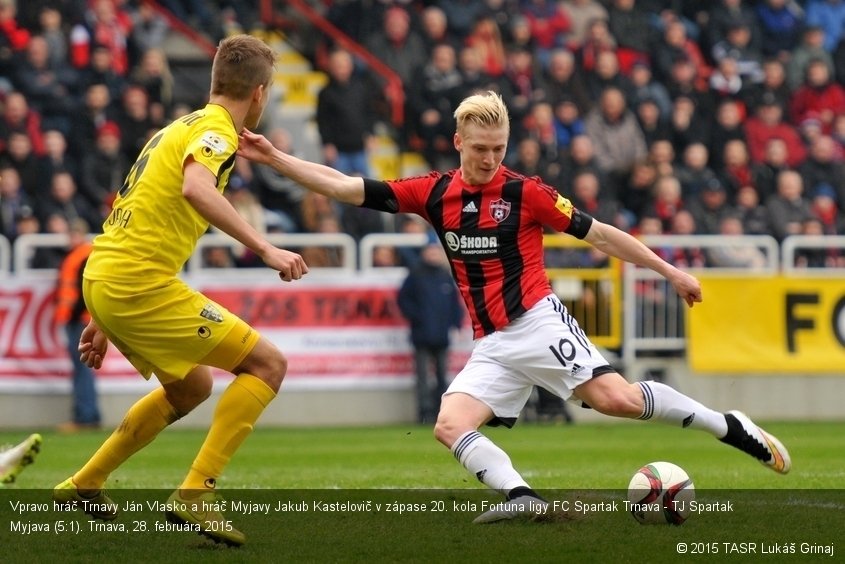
(254, 147)
(291, 266)
(687, 286)
(93, 345)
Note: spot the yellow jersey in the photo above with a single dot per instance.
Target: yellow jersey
(152, 229)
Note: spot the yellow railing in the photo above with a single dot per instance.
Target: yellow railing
(592, 294)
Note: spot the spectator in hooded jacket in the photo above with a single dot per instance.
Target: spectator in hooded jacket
(429, 300)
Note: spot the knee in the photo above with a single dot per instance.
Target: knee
(442, 432)
(185, 399)
(273, 370)
(448, 429)
(459, 414)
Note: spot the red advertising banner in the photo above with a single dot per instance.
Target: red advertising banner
(334, 333)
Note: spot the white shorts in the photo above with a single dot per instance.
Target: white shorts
(544, 347)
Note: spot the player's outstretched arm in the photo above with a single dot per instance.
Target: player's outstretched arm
(93, 345)
(200, 190)
(315, 177)
(619, 244)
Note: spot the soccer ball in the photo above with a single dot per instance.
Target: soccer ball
(660, 493)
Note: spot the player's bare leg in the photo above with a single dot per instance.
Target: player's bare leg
(457, 427)
(613, 395)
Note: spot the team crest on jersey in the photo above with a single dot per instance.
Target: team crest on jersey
(213, 144)
(211, 313)
(500, 210)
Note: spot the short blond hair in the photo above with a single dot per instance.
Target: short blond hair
(485, 109)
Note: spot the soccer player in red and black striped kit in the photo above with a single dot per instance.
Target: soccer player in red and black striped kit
(490, 221)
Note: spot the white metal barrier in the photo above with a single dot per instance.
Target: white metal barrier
(372, 241)
(653, 319)
(653, 315)
(794, 245)
(290, 241)
(25, 248)
(5, 257)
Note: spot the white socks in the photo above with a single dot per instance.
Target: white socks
(666, 404)
(493, 467)
(487, 462)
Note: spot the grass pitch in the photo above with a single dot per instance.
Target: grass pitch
(392, 494)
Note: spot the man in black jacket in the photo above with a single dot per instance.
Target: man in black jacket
(345, 116)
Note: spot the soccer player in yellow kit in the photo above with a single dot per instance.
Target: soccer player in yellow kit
(163, 327)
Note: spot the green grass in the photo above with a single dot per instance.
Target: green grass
(404, 465)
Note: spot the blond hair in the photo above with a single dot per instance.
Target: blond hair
(241, 64)
(485, 110)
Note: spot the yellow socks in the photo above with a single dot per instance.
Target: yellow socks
(144, 420)
(237, 411)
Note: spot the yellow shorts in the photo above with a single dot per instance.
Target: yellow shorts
(169, 329)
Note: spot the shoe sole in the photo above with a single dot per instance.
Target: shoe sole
(178, 520)
(28, 458)
(782, 461)
(783, 464)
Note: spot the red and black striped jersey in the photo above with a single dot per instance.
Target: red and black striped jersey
(492, 234)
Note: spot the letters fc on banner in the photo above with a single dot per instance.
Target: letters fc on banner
(769, 325)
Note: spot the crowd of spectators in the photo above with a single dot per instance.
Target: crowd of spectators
(659, 116)
(696, 117)
(82, 86)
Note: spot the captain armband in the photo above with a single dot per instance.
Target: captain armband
(379, 196)
(579, 224)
